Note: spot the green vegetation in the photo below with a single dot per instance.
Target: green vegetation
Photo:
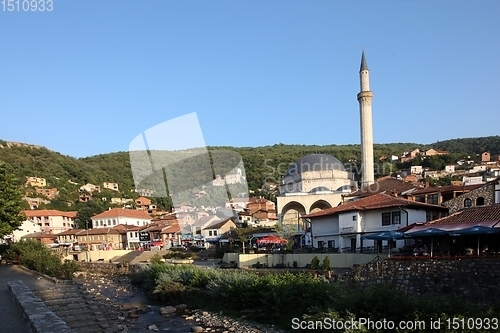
(10, 201)
(277, 298)
(315, 262)
(38, 257)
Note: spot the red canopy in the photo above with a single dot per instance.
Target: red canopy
(271, 240)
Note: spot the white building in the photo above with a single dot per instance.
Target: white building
(28, 227)
(416, 169)
(343, 226)
(110, 186)
(113, 217)
(90, 188)
(52, 221)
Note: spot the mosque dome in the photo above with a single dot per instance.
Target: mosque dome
(315, 162)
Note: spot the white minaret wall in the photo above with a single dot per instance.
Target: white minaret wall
(366, 128)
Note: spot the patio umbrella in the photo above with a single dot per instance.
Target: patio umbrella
(385, 235)
(475, 230)
(427, 232)
(271, 240)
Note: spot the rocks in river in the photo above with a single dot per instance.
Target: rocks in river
(128, 306)
(168, 310)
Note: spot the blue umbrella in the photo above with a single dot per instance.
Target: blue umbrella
(475, 230)
(427, 232)
(385, 235)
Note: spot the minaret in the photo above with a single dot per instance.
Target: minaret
(365, 111)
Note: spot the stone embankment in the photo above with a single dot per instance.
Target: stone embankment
(472, 279)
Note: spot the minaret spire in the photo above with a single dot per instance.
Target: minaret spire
(365, 110)
(364, 66)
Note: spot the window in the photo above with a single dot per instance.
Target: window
(114, 222)
(386, 218)
(215, 232)
(420, 198)
(467, 203)
(480, 201)
(354, 217)
(210, 233)
(432, 199)
(396, 217)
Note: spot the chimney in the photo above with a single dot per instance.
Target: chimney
(427, 184)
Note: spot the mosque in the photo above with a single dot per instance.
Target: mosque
(318, 181)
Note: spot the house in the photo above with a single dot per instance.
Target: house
(110, 186)
(131, 235)
(387, 185)
(342, 227)
(33, 203)
(439, 195)
(102, 239)
(42, 237)
(144, 204)
(90, 188)
(50, 193)
(237, 204)
(416, 169)
(68, 236)
(409, 155)
(256, 203)
(52, 221)
(120, 201)
(212, 232)
(36, 182)
(485, 156)
(144, 192)
(434, 152)
(481, 195)
(26, 228)
(449, 168)
(116, 216)
(84, 197)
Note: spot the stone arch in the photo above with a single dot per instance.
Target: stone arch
(291, 214)
(467, 203)
(319, 205)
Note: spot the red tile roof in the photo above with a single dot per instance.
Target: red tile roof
(387, 185)
(49, 212)
(448, 188)
(122, 212)
(471, 216)
(373, 202)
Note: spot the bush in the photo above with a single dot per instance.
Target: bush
(326, 264)
(36, 256)
(315, 263)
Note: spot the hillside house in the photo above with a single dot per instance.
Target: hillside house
(110, 186)
(36, 182)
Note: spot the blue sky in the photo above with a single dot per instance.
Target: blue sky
(91, 75)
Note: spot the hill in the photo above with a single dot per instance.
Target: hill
(262, 164)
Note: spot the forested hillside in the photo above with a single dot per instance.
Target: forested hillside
(261, 164)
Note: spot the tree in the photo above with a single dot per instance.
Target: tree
(86, 211)
(11, 202)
